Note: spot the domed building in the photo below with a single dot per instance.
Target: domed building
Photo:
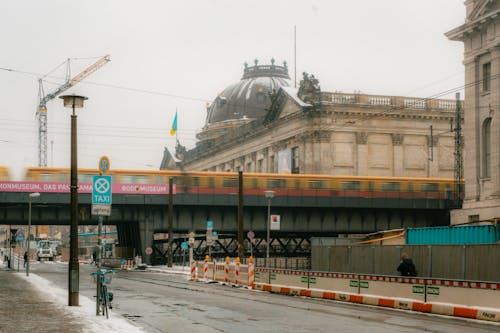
(262, 124)
(244, 101)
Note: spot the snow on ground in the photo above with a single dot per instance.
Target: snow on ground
(85, 313)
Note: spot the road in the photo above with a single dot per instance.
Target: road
(162, 302)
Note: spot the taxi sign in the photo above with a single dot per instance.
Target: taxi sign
(104, 165)
(101, 190)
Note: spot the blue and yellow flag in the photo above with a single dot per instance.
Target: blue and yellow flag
(173, 130)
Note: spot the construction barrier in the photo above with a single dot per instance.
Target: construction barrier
(469, 299)
(477, 300)
(193, 270)
(289, 278)
(341, 282)
(391, 286)
(237, 272)
(467, 293)
(127, 264)
(251, 273)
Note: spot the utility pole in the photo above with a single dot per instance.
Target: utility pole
(459, 163)
(241, 249)
(170, 221)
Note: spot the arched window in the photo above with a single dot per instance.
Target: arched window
(486, 148)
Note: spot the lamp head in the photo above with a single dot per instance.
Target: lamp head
(34, 195)
(73, 101)
(269, 194)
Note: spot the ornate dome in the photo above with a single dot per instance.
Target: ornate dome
(245, 100)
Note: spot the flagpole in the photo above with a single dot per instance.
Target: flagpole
(177, 128)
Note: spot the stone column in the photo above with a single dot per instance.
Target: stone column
(494, 113)
(361, 167)
(397, 155)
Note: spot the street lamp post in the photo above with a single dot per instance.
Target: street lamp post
(73, 101)
(31, 196)
(269, 195)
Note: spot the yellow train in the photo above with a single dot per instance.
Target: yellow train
(254, 183)
(4, 174)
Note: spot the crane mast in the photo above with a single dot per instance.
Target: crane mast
(42, 105)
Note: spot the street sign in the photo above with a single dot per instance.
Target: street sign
(104, 165)
(149, 250)
(184, 246)
(20, 235)
(101, 190)
(101, 210)
(275, 222)
(210, 225)
(250, 235)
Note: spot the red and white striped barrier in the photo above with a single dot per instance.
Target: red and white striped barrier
(251, 273)
(490, 314)
(226, 270)
(193, 270)
(128, 264)
(237, 272)
(205, 267)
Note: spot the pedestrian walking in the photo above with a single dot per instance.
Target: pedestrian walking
(406, 266)
(25, 258)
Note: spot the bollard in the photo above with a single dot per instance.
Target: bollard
(251, 273)
(237, 271)
(226, 270)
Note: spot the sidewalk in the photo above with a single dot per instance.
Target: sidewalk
(24, 309)
(34, 304)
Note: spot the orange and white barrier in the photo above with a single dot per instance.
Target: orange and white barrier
(193, 270)
(127, 264)
(237, 272)
(205, 267)
(251, 273)
(477, 300)
(226, 270)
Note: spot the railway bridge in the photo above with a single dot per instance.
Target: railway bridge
(139, 217)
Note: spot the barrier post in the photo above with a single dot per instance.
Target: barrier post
(193, 270)
(205, 267)
(226, 270)
(237, 271)
(251, 273)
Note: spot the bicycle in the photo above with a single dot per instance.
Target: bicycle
(104, 297)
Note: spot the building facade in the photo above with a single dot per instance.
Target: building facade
(308, 131)
(481, 37)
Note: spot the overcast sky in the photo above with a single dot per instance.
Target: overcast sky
(168, 55)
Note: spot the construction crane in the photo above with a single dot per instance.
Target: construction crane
(42, 105)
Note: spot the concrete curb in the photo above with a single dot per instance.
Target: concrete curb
(489, 314)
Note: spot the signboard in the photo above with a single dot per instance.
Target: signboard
(210, 225)
(83, 187)
(101, 210)
(149, 250)
(184, 246)
(275, 222)
(101, 190)
(160, 236)
(104, 165)
(250, 235)
(20, 235)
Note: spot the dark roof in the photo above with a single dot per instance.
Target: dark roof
(249, 98)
